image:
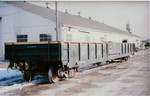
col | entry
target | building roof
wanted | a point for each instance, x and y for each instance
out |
(68, 19)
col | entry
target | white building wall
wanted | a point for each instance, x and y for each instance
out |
(82, 35)
(16, 21)
(1, 39)
(77, 34)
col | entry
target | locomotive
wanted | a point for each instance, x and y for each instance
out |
(58, 60)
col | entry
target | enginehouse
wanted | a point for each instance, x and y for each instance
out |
(25, 22)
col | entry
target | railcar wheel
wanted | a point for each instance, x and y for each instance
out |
(28, 75)
(27, 66)
(52, 76)
(126, 58)
(71, 73)
(77, 69)
(120, 60)
(21, 66)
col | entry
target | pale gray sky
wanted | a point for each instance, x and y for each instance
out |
(116, 14)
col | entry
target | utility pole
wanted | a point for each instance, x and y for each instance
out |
(57, 22)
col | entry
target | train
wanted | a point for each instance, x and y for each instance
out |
(58, 60)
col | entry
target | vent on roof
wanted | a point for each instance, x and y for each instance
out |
(128, 27)
(90, 18)
(47, 5)
(79, 13)
(66, 11)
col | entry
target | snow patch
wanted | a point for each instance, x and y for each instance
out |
(3, 62)
(7, 89)
(7, 74)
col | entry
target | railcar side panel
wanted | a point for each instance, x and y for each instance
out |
(99, 53)
(114, 50)
(73, 54)
(92, 55)
(84, 54)
(104, 52)
(65, 53)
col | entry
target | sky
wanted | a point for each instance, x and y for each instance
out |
(116, 14)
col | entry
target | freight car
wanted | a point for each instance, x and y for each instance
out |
(59, 60)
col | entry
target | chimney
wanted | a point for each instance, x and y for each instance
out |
(90, 18)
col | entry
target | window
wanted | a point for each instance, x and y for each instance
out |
(124, 41)
(22, 38)
(45, 37)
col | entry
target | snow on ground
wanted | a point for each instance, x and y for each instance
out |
(4, 62)
(4, 74)
(56, 90)
(116, 79)
(12, 80)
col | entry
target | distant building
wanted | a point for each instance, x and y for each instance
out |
(145, 43)
(24, 22)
